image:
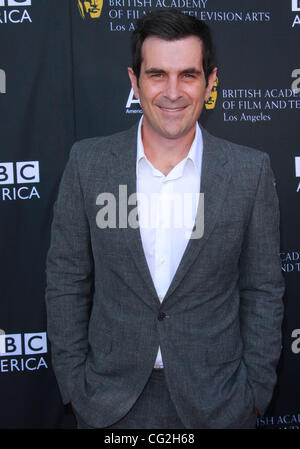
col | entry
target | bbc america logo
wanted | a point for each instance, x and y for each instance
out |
(296, 5)
(21, 352)
(15, 3)
(25, 172)
(296, 8)
(10, 12)
(27, 344)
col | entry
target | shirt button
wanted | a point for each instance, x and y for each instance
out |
(161, 316)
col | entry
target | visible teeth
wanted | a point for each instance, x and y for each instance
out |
(172, 110)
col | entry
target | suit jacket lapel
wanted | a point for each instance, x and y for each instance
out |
(215, 176)
(126, 174)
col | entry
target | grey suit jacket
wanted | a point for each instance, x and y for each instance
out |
(219, 326)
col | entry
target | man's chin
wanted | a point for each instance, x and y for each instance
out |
(170, 131)
(175, 133)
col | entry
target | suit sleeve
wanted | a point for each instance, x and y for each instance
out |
(69, 279)
(261, 290)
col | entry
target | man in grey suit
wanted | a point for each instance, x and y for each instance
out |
(157, 323)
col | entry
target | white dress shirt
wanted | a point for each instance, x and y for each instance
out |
(167, 207)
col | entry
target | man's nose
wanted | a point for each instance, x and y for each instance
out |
(173, 89)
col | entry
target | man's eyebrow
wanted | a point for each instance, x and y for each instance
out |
(154, 70)
(188, 70)
(192, 70)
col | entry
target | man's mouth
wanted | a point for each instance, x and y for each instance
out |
(172, 109)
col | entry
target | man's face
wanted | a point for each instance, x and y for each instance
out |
(172, 86)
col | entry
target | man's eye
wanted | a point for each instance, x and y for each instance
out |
(189, 75)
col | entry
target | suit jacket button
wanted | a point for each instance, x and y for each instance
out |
(161, 316)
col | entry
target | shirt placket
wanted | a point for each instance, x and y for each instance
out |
(163, 239)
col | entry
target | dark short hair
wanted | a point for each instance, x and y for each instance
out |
(171, 25)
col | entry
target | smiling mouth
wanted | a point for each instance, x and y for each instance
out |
(172, 109)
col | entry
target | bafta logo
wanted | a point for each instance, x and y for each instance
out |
(211, 102)
(91, 8)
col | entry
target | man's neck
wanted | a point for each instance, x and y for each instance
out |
(163, 153)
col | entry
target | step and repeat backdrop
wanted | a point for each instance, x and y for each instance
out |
(63, 77)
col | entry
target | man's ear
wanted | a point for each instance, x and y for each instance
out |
(133, 81)
(211, 79)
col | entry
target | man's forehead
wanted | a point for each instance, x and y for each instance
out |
(159, 41)
(187, 50)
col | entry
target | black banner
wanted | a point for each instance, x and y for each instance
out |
(63, 77)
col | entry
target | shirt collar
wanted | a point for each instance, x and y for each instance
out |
(194, 155)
